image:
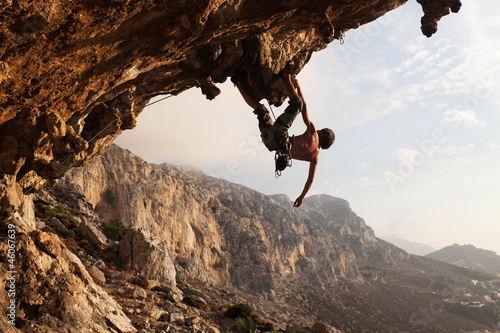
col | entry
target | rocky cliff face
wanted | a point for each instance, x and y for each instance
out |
(51, 289)
(75, 74)
(230, 235)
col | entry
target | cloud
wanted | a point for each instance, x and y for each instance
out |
(407, 155)
(417, 57)
(458, 116)
(491, 146)
(454, 150)
(399, 226)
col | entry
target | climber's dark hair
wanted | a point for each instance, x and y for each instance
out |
(327, 139)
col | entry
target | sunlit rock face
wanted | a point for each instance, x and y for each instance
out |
(75, 74)
(226, 234)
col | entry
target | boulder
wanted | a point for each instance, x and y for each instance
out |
(89, 231)
(40, 225)
(138, 293)
(175, 295)
(199, 302)
(55, 224)
(177, 318)
(147, 255)
(97, 275)
(192, 321)
(319, 328)
(75, 299)
(165, 316)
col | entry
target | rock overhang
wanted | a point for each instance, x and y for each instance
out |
(74, 75)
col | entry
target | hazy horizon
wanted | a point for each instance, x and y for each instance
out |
(416, 120)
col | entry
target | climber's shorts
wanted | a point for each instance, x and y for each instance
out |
(275, 134)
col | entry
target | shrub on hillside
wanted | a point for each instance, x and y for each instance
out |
(43, 210)
(243, 325)
(242, 310)
(115, 229)
(246, 321)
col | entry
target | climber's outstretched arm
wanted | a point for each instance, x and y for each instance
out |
(293, 91)
(289, 86)
(309, 181)
(305, 114)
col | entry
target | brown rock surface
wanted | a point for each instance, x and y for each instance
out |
(75, 74)
(55, 289)
(147, 255)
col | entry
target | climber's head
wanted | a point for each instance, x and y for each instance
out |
(326, 138)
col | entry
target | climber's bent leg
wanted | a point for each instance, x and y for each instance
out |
(286, 119)
(266, 127)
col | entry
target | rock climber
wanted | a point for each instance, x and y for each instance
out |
(304, 147)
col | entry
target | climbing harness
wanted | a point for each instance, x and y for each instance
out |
(281, 161)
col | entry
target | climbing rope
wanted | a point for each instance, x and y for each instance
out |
(5, 315)
(32, 187)
(158, 100)
(125, 114)
(271, 110)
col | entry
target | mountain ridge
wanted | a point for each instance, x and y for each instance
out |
(410, 247)
(208, 191)
(469, 256)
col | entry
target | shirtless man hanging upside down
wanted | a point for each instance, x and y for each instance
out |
(304, 147)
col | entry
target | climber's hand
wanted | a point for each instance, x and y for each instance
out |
(298, 202)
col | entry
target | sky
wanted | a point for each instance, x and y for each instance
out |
(417, 150)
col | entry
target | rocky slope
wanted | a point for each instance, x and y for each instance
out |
(201, 244)
(51, 289)
(75, 74)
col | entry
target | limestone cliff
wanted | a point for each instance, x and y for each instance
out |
(75, 74)
(230, 235)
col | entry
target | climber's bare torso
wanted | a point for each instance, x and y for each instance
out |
(306, 146)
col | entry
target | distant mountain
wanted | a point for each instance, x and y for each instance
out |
(469, 256)
(410, 247)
